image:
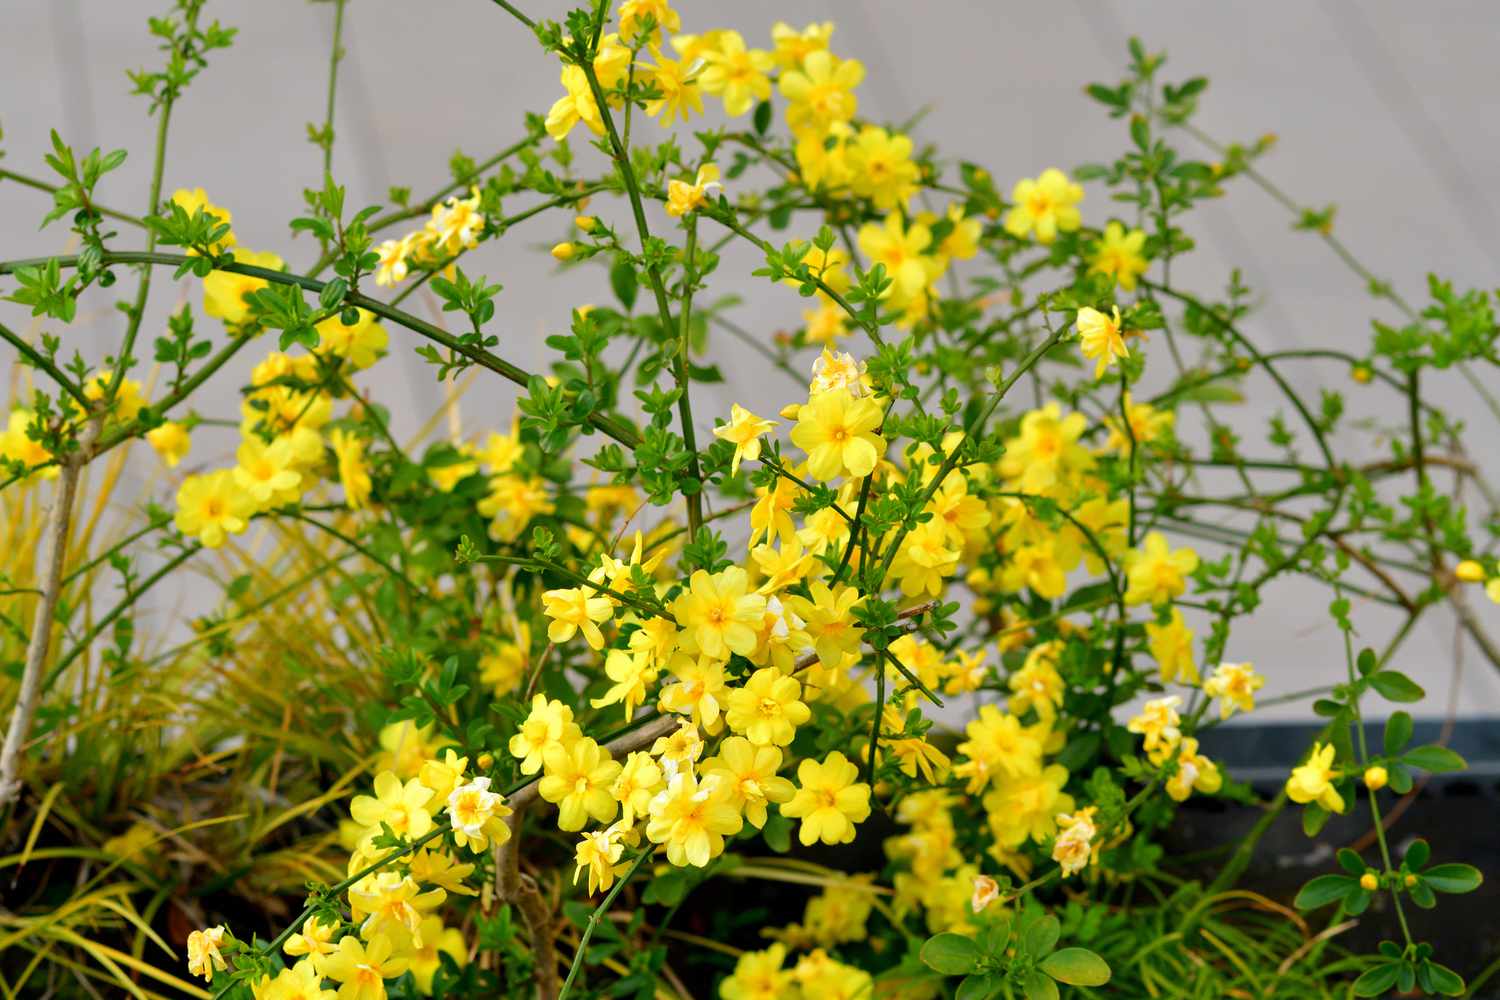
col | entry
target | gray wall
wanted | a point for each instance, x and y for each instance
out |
(1384, 107)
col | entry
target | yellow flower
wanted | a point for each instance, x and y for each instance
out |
(267, 473)
(550, 724)
(631, 672)
(354, 471)
(1158, 723)
(925, 560)
(881, 168)
(598, 853)
(838, 433)
(903, 249)
(170, 441)
(1046, 457)
(393, 264)
(758, 975)
(402, 807)
(683, 197)
(1312, 781)
(679, 94)
(1155, 573)
(1195, 772)
(390, 903)
(834, 371)
(1046, 205)
(693, 819)
(1171, 645)
(829, 800)
(829, 620)
(576, 609)
(314, 939)
(298, 982)
(771, 517)
(576, 105)
(224, 292)
(736, 74)
(962, 243)
(1120, 255)
(1234, 684)
(1037, 684)
(1073, 849)
(821, 92)
(363, 968)
(825, 324)
(743, 431)
(718, 615)
(128, 401)
(1026, 807)
(822, 158)
(1144, 422)
(998, 747)
(768, 708)
(1099, 337)
(578, 779)
(749, 773)
(425, 960)
(477, 816)
(793, 46)
(361, 344)
(17, 446)
(639, 780)
(197, 198)
(212, 507)
(633, 14)
(512, 502)
(204, 957)
(698, 690)
(455, 225)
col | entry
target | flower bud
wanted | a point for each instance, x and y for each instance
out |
(1469, 571)
(1410, 880)
(586, 223)
(563, 251)
(485, 761)
(1361, 374)
(1376, 778)
(1369, 882)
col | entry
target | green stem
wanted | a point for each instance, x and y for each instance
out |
(335, 56)
(40, 362)
(599, 911)
(41, 185)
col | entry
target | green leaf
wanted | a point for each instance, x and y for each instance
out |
(1041, 937)
(1396, 686)
(1435, 759)
(1039, 987)
(980, 987)
(762, 118)
(1443, 980)
(1453, 877)
(1076, 967)
(1377, 980)
(1323, 890)
(951, 954)
(623, 280)
(1397, 732)
(1417, 855)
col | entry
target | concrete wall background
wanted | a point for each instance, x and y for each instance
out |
(1384, 107)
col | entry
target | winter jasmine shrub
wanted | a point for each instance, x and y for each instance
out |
(924, 636)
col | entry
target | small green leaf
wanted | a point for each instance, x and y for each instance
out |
(1377, 980)
(1039, 987)
(1418, 854)
(1453, 877)
(1076, 967)
(1397, 732)
(980, 987)
(951, 954)
(1323, 890)
(1041, 937)
(1435, 759)
(1396, 686)
(1443, 980)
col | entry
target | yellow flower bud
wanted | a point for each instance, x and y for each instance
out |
(1375, 778)
(1410, 881)
(1361, 374)
(1469, 571)
(1369, 882)
(586, 223)
(485, 761)
(563, 251)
